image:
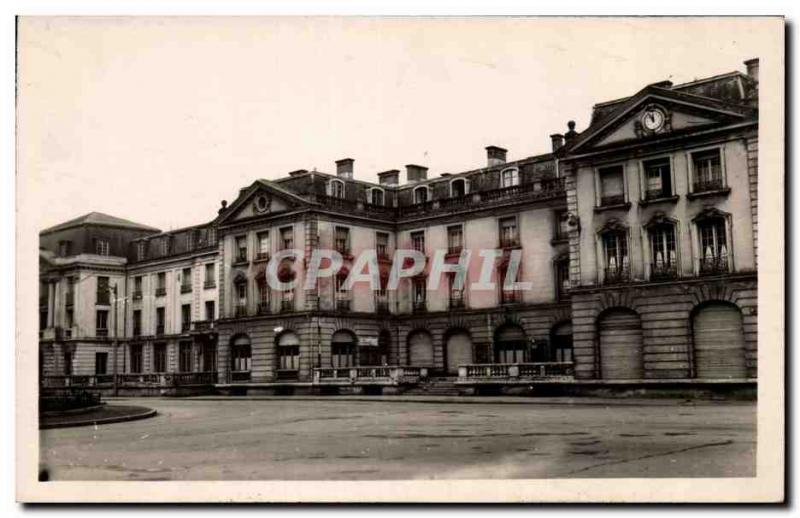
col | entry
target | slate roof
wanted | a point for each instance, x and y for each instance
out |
(98, 218)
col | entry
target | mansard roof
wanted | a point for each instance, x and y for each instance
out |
(100, 219)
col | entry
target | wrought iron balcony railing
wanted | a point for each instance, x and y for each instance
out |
(705, 185)
(663, 271)
(714, 265)
(617, 275)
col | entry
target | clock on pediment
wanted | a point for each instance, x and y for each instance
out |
(262, 203)
(652, 120)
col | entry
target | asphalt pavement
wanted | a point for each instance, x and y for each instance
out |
(362, 439)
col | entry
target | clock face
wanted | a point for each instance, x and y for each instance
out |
(653, 119)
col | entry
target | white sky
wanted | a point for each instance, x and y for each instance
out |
(158, 119)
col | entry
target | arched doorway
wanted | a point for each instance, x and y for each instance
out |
(343, 349)
(510, 344)
(288, 346)
(620, 332)
(718, 341)
(420, 349)
(241, 358)
(458, 349)
(561, 342)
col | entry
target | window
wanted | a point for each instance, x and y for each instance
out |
(103, 292)
(287, 238)
(456, 296)
(70, 299)
(160, 358)
(70, 320)
(165, 242)
(160, 320)
(562, 225)
(43, 318)
(663, 254)
(263, 296)
(241, 249)
(707, 171)
(186, 317)
(713, 246)
(136, 366)
(100, 363)
(418, 241)
(419, 293)
(337, 188)
(458, 188)
(263, 245)
(64, 248)
(455, 239)
(186, 280)
(509, 177)
(421, 194)
(612, 185)
(137, 287)
(289, 357)
(101, 322)
(241, 299)
(382, 245)
(102, 247)
(343, 350)
(137, 322)
(376, 197)
(161, 284)
(185, 357)
(509, 236)
(210, 310)
(242, 359)
(341, 295)
(562, 278)
(141, 250)
(507, 295)
(210, 281)
(342, 240)
(615, 246)
(657, 178)
(287, 300)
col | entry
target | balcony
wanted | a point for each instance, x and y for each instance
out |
(454, 250)
(201, 326)
(137, 295)
(616, 201)
(137, 331)
(263, 308)
(240, 259)
(161, 292)
(185, 326)
(209, 284)
(101, 332)
(240, 310)
(509, 242)
(160, 329)
(382, 305)
(287, 305)
(186, 288)
(519, 372)
(419, 306)
(343, 304)
(662, 272)
(262, 256)
(705, 185)
(617, 275)
(354, 207)
(714, 265)
(457, 300)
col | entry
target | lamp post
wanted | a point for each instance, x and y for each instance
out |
(114, 342)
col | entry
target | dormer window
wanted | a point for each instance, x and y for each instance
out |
(336, 188)
(376, 197)
(421, 194)
(141, 250)
(509, 177)
(64, 248)
(102, 247)
(458, 188)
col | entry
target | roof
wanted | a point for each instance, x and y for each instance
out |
(98, 218)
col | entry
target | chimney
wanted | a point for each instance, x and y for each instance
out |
(416, 173)
(663, 84)
(344, 168)
(571, 134)
(558, 141)
(390, 177)
(298, 172)
(752, 68)
(495, 156)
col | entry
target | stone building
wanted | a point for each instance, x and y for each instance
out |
(637, 236)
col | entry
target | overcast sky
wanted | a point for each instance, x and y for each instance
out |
(158, 119)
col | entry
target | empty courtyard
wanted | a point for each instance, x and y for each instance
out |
(345, 439)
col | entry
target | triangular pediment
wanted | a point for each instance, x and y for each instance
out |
(655, 112)
(262, 198)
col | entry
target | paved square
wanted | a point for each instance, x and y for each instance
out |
(336, 439)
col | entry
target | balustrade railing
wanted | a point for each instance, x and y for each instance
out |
(383, 374)
(130, 380)
(500, 371)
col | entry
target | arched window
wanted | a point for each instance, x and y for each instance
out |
(458, 187)
(343, 349)
(288, 345)
(510, 344)
(509, 177)
(241, 358)
(376, 197)
(421, 194)
(336, 188)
